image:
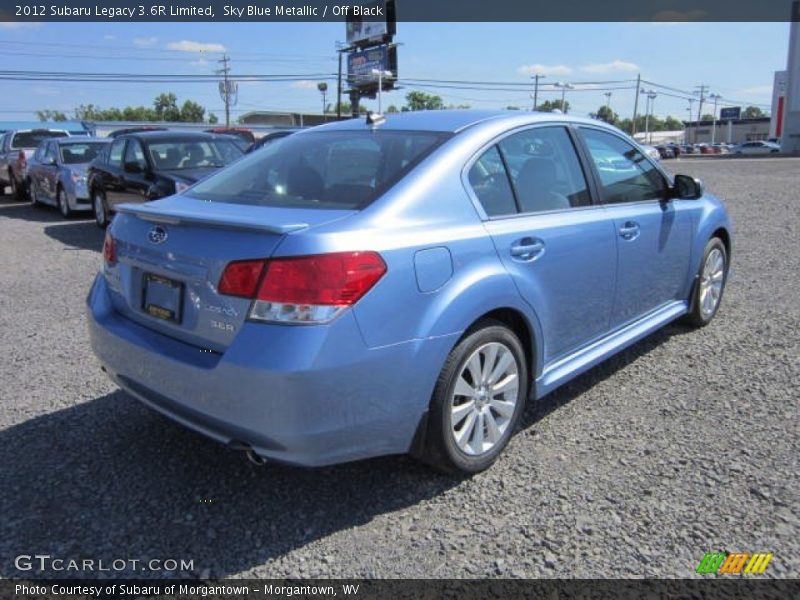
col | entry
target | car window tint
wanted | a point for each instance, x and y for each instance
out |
(489, 181)
(625, 173)
(333, 169)
(75, 154)
(192, 154)
(115, 153)
(135, 154)
(545, 170)
(31, 139)
(49, 152)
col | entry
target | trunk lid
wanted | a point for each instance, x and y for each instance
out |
(171, 254)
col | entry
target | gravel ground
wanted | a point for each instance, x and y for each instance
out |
(683, 444)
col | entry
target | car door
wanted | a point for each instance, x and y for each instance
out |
(135, 176)
(653, 231)
(557, 245)
(48, 171)
(111, 174)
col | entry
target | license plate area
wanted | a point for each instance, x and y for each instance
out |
(162, 298)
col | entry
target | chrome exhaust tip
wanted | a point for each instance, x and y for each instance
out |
(254, 458)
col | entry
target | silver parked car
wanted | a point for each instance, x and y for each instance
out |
(757, 147)
(57, 172)
(16, 147)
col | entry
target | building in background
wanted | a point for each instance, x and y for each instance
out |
(790, 134)
(778, 104)
(734, 131)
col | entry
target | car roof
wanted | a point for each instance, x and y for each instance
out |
(176, 136)
(79, 139)
(453, 121)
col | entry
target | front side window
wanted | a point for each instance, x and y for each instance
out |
(192, 154)
(325, 169)
(545, 170)
(135, 155)
(115, 153)
(625, 173)
(489, 181)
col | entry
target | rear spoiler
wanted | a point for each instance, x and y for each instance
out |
(209, 217)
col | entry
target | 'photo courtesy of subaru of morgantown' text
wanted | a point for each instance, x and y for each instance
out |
(394, 299)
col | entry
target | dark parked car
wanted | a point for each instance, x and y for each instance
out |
(144, 166)
(665, 151)
(270, 137)
(16, 148)
(57, 172)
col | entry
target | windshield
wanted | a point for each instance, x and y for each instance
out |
(31, 139)
(324, 169)
(192, 154)
(76, 154)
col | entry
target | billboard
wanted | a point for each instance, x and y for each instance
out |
(732, 113)
(374, 24)
(361, 63)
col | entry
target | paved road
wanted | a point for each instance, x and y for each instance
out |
(685, 443)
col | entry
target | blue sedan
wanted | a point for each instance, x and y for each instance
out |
(374, 287)
(57, 173)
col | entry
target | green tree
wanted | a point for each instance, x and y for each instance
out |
(192, 112)
(551, 105)
(50, 115)
(213, 119)
(707, 117)
(166, 107)
(673, 124)
(604, 113)
(753, 112)
(422, 101)
(512, 108)
(392, 109)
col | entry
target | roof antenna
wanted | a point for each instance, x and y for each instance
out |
(375, 119)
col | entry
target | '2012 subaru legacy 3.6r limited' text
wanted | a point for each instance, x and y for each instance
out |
(404, 285)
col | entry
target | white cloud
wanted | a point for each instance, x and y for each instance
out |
(190, 46)
(544, 70)
(202, 62)
(305, 84)
(19, 25)
(145, 41)
(109, 36)
(610, 67)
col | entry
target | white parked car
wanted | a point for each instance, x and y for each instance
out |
(759, 147)
(652, 152)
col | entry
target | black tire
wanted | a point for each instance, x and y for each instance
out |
(102, 209)
(17, 190)
(63, 204)
(440, 449)
(697, 316)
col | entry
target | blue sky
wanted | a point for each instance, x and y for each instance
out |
(736, 60)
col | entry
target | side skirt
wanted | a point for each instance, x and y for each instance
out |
(584, 359)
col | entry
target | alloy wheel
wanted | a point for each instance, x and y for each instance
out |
(484, 399)
(711, 281)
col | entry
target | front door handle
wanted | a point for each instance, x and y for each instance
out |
(629, 231)
(527, 249)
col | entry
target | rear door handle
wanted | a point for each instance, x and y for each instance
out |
(630, 230)
(527, 249)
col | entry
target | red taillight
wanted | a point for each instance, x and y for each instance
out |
(22, 159)
(110, 249)
(339, 279)
(241, 278)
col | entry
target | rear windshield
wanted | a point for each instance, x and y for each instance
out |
(323, 169)
(31, 139)
(172, 156)
(76, 154)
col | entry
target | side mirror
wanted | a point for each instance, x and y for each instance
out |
(687, 187)
(133, 167)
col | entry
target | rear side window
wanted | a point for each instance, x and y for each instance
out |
(325, 169)
(626, 175)
(31, 139)
(489, 181)
(545, 170)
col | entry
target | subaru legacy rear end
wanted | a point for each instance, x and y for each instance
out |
(229, 308)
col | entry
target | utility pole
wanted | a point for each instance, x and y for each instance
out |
(226, 89)
(608, 100)
(714, 97)
(686, 133)
(636, 105)
(701, 90)
(536, 79)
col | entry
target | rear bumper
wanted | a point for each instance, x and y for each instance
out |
(307, 396)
